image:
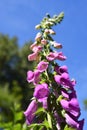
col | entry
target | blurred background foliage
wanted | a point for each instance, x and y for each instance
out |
(15, 92)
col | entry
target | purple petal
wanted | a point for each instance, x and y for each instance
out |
(41, 91)
(29, 113)
(42, 66)
(63, 69)
(36, 77)
(61, 56)
(44, 102)
(30, 76)
(71, 121)
(52, 56)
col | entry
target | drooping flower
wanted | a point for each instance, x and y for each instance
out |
(33, 45)
(30, 76)
(42, 66)
(33, 56)
(33, 76)
(30, 112)
(56, 45)
(36, 48)
(71, 106)
(36, 77)
(72, 121)
(61, 56)
(61, 69)
(52, 56)
(55, 56)
(64, 93)
(41, 91)
(64, 79)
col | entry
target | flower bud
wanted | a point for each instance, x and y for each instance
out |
(38, 26)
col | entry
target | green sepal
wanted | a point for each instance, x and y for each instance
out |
(68, 128)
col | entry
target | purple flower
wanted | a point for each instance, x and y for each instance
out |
(36, 48)
(51, 56)
(71, 106)
(63, 79)
(44, 102)
(64, 93)
(29, 113)
(61, 69)
(36, 77)
(55, 56)
(70, 120)
(41, 91)
(61, 56)
(33, 56)
(42, 66)
(33, 76)
(30, 76)
(72, 95)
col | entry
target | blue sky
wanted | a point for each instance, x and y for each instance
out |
(18, 18)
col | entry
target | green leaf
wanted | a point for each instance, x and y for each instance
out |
(49, 120)
(18, 116)
(24, 127)
(32, 125)
(6, 125)
(17, 127)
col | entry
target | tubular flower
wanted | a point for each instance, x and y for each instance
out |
(42, 66)
(52, 56)
(61, 56)
(41, 91)
(29, 113)
(61, 69)
(33, 56)
(35, 48)
(55, 56)
(63, 79)
(72, 121)
(71, 106)
(33, 77)
(30, 76)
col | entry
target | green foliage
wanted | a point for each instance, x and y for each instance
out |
(69, 128)
(17, 122)
(15, 92)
